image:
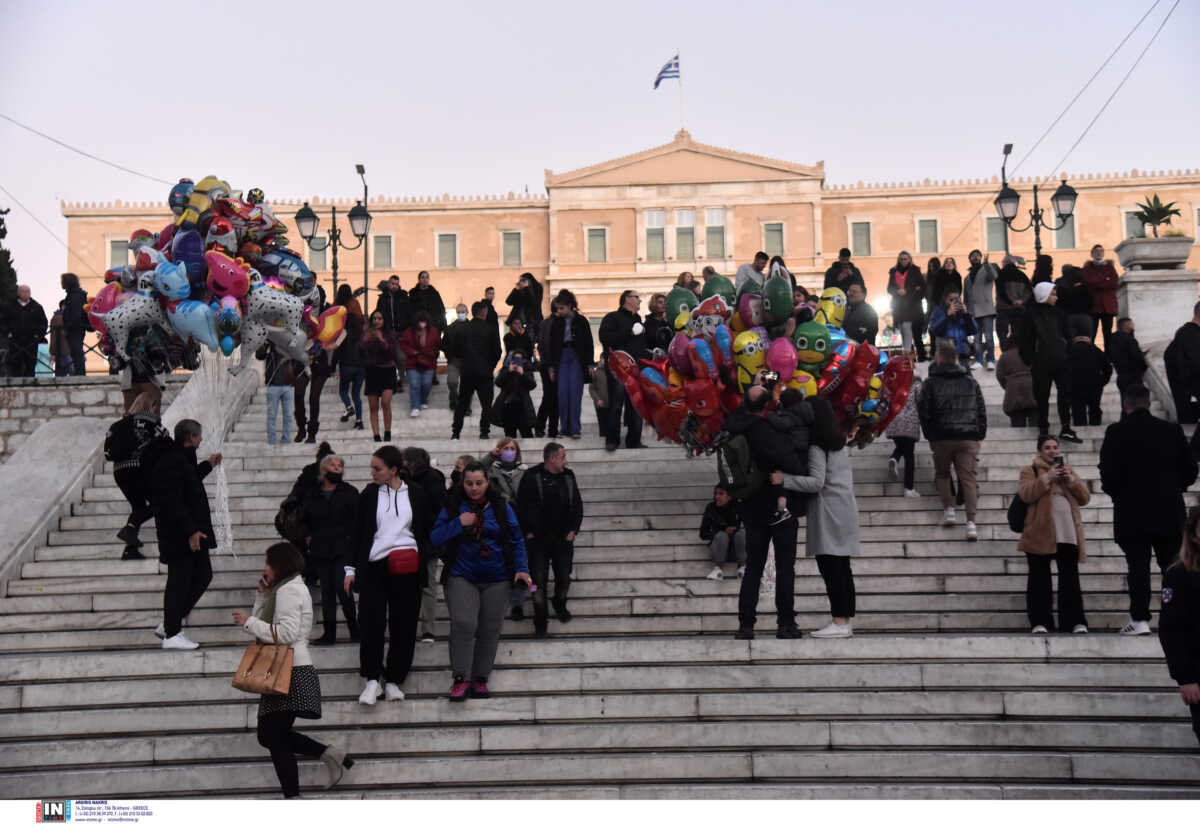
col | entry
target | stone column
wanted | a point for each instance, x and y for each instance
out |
(1158, 301)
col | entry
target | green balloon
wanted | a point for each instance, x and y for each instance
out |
(778, 299)
(813, 346)
(750, 287)
(679, 299)
(723, 286)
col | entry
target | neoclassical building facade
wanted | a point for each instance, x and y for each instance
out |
(638, 221)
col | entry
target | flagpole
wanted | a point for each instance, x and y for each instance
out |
(679, 67)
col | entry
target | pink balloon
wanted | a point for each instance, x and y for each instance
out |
(750, 310)
(781, 356)
(677, 353)
(106, 300)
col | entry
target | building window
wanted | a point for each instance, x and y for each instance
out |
(927, 237)
(597, 245)
(1133, 226)
(860, 239)
(1064, 238)
(773, 239)
(714, 233)
(381, 252)
(655, 242)
(317, 260)
(512, 248)
(447, 251)
(995, 234)
(685, 234)
(118, 253)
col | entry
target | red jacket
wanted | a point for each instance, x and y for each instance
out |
(1102, 280)
(421, 356)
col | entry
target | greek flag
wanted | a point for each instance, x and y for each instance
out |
(670, 69)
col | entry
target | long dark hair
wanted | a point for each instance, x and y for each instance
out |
(458, 493)
(286, 560)
(393, 458)
(825, 430)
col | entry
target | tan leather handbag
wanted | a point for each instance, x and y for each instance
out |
(266, 669)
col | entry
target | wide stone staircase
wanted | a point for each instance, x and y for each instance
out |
(942, 692)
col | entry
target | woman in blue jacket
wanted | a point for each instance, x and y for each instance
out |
(483, 552)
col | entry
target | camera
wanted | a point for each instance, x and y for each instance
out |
(769, 378)
(1059, 460)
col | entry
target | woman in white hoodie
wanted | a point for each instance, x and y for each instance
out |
(283, 614)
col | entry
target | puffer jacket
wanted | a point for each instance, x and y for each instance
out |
(957, 328)
(1038, 537)
(469, 560)
(1016, 379)
(907, 424)
(951, 406)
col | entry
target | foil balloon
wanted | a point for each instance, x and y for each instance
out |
(680, 299)
(171, 281)
(199, 201)
(291, 271)
(778, 299)
(749, 353)
(781, 357)
(177, 198)
(677, 353)
(329, 328)
(141, 308)
(831, 309)
(704, 365)
(622, 366)
(187, 247)
(194, 320)
(723, 351)
(105, 300)
(812, 344)
(163, 241)
(221, 235)
(709, 315)
(750, 310)
(227, 276)
(719, 286)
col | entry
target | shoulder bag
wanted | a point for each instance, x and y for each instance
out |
(266, 669)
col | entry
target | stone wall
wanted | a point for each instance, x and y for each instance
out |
(25, 403)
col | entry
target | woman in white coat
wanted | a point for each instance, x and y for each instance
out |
(832, 534)
(284, 605)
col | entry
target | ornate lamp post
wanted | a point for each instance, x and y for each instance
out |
(307, 222)
(1007, 202)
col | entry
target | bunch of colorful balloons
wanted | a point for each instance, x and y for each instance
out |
(717, 353)
(220, 275)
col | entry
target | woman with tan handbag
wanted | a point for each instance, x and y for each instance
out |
(283, 616)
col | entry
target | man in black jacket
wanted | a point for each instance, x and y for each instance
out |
(766, 443)
(1182, 362)
(479, 350)
(75, 322)
(449, 344)
(184, 525)
(1126, 355)
(1145, 467)
(860, 324)
(26, 329)
(1042, 342)
(526, 301)
(550, 510)
(1014, 293)
(433, 483)
(843, 274)
(397, 313)
(425, 297)
(954, 421)
(622, 331)
(327, 524)
(1089, 370)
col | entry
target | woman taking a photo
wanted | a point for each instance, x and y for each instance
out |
(283, 614)
(483, 556)
(378, 348)
(393, 540)
(1053, 531)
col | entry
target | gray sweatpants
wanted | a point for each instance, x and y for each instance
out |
(429, 598)
(476, 617)
(719, 546)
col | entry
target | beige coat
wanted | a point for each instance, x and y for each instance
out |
(1038, 537)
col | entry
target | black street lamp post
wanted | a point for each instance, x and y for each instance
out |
(307, 222)
(1007, 202)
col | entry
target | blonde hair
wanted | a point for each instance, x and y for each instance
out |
(144, 402)
(684, 279)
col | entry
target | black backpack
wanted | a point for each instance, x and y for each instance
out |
(1018, 511)
(737, 469)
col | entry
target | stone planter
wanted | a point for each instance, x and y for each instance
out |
(1154, 252)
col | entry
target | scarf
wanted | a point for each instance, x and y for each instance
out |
(479, 509)
(267, 611)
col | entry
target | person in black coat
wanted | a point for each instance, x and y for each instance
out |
(1074, 296)
(425, 298)
(945, 280)
(721, 527)
(571, 361)
(1145, 467)
(433, 483)
(123, 447)
(478, 350)
(26, 329)
(622, 331)
(907, 287)
(526, 301)
(843, 274)
(550, 511)
(860, 323)
(659, 328)
(1126, 355)
(1042, 343)
(328, 523)
(547, 412)
(1089, 370)
(1014, 294)
(1182, 362)
(75, 321)
(1179, 622)
(518, 339)
(513, 409)
(394, 518)
(183, 522)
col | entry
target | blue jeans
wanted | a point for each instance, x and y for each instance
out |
(277, 395)
(570, 393)
(350, 384)
(985, 340)
(420, 383)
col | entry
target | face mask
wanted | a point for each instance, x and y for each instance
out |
(421, 325)
(508, 455)
(1098, 258)
(462, 315)
(333, 477)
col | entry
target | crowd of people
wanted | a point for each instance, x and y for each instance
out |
(25, 327)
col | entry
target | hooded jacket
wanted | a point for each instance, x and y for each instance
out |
(951, 406)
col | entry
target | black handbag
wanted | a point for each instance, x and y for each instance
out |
(287, 521)
(1018, 511)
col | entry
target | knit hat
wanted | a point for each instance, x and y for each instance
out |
(1041, 292)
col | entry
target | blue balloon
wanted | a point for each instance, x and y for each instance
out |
(227, 345)
(187, 247)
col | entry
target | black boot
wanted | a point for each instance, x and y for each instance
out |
(301, 433)
(312, 432)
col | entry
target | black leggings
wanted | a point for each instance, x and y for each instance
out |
(276, 734)
(547, 414)
(904, 450)
(1137, 560)
(132, 484)
(839, 583)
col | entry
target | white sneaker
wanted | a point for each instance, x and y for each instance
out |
(1080, 629)
(370, 693)
(1039, 630)
(742, 571)
(974, 365)
(911, 493)
(832, 630)
(416, 413)
(1136, 628)
(716, 574)
(391, 692)
(991, 367)
(948, 518)
(972, 532)
(894, 468)
(424, 406)
(181, 641)
(160, 631)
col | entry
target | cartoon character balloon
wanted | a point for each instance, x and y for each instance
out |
(750, 354)
(831, 309)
